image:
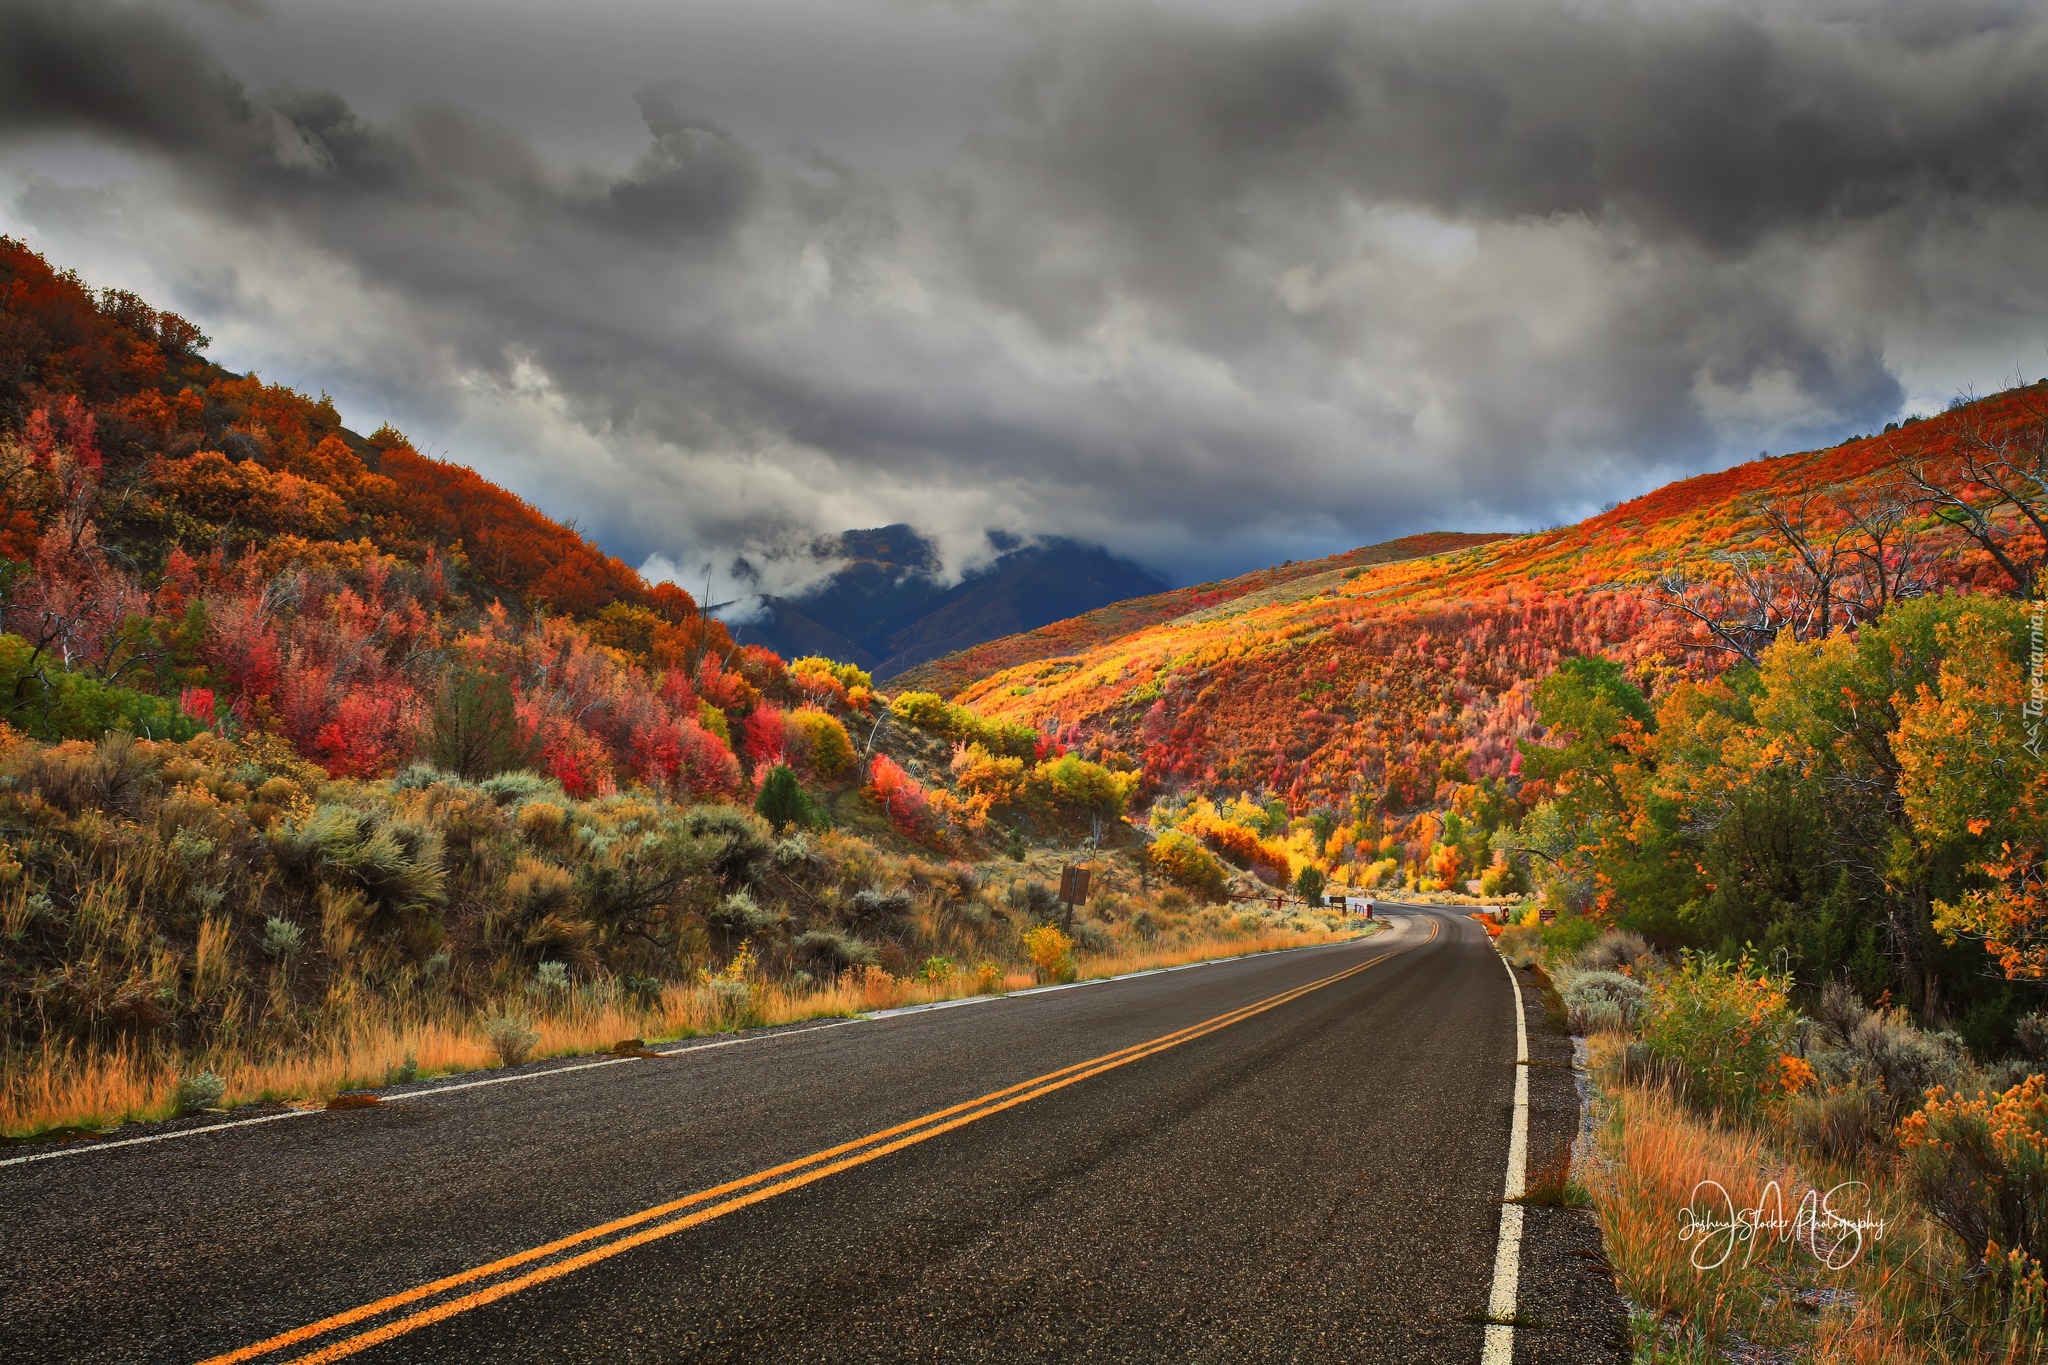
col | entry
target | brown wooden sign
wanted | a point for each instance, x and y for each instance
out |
(1074, 884)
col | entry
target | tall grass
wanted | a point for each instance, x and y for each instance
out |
(369, 1039)
(1656, 1162)
(1908, 1296)
(1903, 1300)
(218, 922)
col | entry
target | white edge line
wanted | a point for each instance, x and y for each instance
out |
(87, 1148)
(1105, 980)
(433, 1090)
(935, 1005)
(1507, 1256)
(763, 1037)
(82, 1148)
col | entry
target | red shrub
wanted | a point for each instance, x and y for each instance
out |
(900, 794)
(765, 736)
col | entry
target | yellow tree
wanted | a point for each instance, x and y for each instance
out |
(1972, 775)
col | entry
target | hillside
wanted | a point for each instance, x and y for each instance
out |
(203, 545)
(184, 453)
(188, 551)
(322, 763)
(948, 675)
(888, 610)
(1391, 685)
(1779, 708)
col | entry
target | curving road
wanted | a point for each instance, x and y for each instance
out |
(1297, 1156)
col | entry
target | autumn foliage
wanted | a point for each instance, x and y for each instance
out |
(113, 405)
(194, 548)
(900, 794)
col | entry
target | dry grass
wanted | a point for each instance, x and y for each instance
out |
(367, 1040)
(237, 912)
(1902, 1301)
(1656, 1161)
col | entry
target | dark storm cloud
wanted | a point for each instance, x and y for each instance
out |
(135, 75)
(695, 182)
(1207, 287)
(1181, 143)
(1713, 123)
(132, 74)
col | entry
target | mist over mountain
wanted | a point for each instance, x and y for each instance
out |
(890, 609)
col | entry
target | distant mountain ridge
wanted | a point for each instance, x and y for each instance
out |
(889, 610)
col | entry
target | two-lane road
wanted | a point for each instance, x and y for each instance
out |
(1291, 1157)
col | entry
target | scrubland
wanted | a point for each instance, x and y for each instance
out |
(1894, 1187)
(207, 922)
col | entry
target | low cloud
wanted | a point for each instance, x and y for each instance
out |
(1210, 289)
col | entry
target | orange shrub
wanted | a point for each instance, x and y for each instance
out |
(1723, 1025)
(1981, 1164)
(1051, 952)
(819, 740)
(1241, 846)
(1186, 863)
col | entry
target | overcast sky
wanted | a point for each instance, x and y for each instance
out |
(1214, 283)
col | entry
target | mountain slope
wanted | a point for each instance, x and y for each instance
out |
(887, 610)
(185, 453)
(953, 672)
(191, 549)
(1397, 687)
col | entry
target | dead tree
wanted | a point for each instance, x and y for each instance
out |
(1744, 607)
(1994, 489)
(1829, 558)
(1892, 557)
(1816, 552)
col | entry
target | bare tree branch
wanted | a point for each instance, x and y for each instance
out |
(1994, 489)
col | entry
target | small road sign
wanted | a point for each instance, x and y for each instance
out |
(1073, 890)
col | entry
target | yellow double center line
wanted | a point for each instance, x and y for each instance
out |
(665, 1220)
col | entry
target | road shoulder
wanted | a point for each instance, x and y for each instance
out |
(1570, 1311)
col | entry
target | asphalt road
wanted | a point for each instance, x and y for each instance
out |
(1201, 1165)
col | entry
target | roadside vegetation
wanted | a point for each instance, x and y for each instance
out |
(324, 763)
(1794, 908)
(206, 922)
(1897, 1184)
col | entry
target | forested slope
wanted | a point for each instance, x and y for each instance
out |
(1781, 705)
(948, 675)
(187, 534)
(1390, 682)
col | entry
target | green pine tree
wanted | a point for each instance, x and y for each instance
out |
(782, 800)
